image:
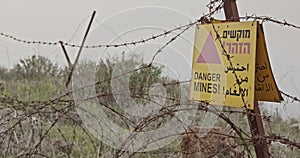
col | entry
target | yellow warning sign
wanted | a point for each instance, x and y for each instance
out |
(265, 85)
(225, 71)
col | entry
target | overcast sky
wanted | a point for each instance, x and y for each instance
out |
(67, 20)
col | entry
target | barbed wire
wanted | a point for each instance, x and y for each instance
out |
(228, 57)
(70, 103)
(28, 41)
(20, 111)
(290, 96)
(237, 80)
(213, 9)
(263, 18)
(214, 6)
(133, 43)
(250, 113)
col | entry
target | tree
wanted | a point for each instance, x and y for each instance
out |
(36, 68)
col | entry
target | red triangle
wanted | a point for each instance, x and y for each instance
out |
(209, 53)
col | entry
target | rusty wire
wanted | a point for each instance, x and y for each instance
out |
(214, 8)
(62, 108)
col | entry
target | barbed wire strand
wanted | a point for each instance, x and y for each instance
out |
(253, 17)
(21, 108)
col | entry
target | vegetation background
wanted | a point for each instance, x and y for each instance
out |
(38, 116)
